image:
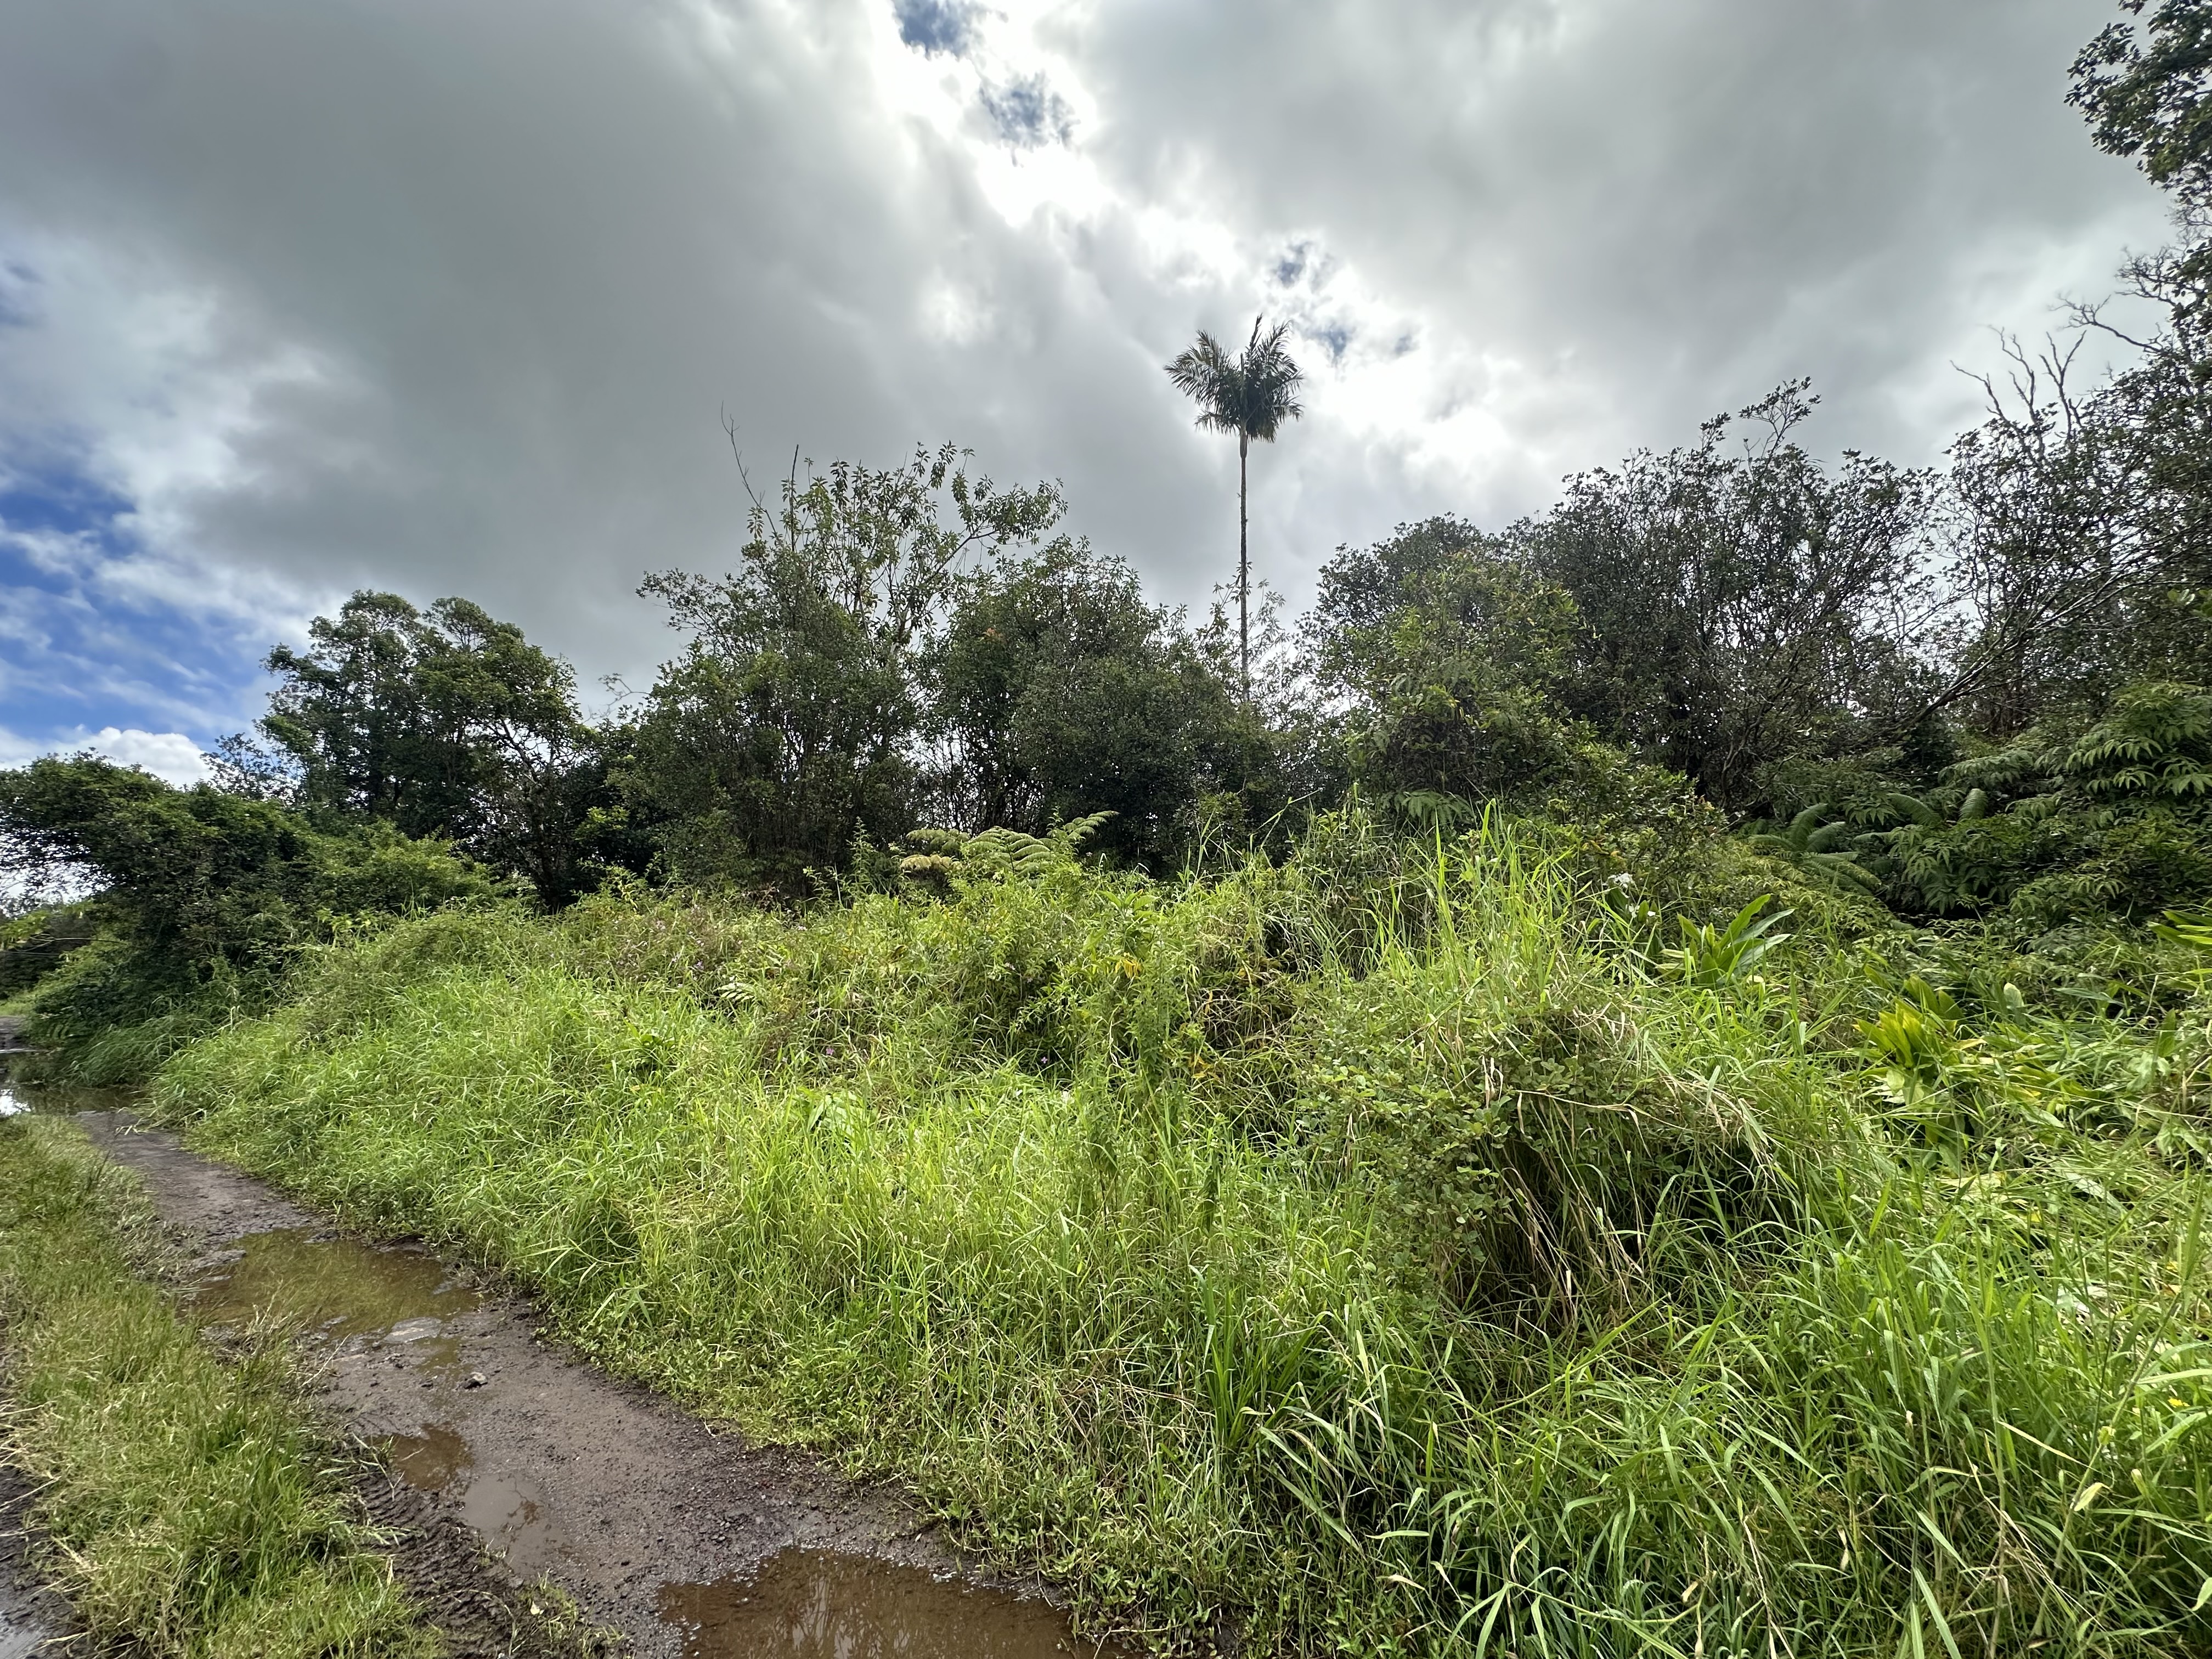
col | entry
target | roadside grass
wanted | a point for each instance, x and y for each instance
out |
(189, 1510)
(1438, 1273)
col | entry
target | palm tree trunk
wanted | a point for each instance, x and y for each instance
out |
(1243, 574)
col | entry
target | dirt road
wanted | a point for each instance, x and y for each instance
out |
(678, 1536)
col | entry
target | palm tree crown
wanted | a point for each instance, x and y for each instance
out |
(1250, 394)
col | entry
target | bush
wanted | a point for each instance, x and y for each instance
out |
(203, 900)
(2114, 821)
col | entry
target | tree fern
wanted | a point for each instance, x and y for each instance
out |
(1812, 843)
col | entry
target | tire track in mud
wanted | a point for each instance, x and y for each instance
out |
(503, 1459)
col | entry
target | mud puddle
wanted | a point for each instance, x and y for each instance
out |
(811, 1604)
(690, 1542)
(344, 1293)
(356, 1300)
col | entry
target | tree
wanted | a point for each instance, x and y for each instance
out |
(447, 723)
(2049, 565)
(1251, 394)
(197, 875)
(2087, 558)
(1451, 650)
(2148, 96)
(1058, 691)
(1742, 604)
(200, 896)
(1436, 591)
(790, 723)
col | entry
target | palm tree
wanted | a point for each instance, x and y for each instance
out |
(1251, 394)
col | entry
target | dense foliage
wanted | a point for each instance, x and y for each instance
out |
(449, 725)
(1390, 1250)
(1637, 1084)
(202, 895)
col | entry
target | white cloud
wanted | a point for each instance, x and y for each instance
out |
(445, 295)
(16, 751)
(170, 756)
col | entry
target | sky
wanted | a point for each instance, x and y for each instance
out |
(454, 296)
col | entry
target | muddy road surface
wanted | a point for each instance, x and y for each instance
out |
(676, 1533)
(31, 1615)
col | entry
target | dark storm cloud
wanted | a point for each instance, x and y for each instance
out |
(445, 295)
(528, 253)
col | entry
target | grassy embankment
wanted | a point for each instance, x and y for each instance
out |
(1443, 1276)
(191, 1510)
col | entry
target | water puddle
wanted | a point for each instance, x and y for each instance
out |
(432, 1460)
(512, 1515)
(354, 1297)
(818, 1604)
(342, 1291)
(14, 1098)
(19, 1095)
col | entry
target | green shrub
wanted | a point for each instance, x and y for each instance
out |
(202, 899)
(2115, 821)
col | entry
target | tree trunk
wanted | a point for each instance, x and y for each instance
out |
(1243, 574)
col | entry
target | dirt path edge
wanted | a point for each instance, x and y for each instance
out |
(597, 1485)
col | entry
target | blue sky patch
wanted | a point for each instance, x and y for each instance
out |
(94, 632)
(1333, 338)
(933, 25)
(1028, 113)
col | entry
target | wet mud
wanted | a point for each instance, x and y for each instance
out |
(675, 1533)
(31, 1615)
(817, 1604)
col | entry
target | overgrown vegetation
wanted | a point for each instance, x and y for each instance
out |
(1475, 1272)
(205, 894)
(188, 1510)
(1638, 1084)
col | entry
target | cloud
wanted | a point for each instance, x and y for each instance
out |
(169, 755)
(96, 628)
(445, 295)
(17, 750)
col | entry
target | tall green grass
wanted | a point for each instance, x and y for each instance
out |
(189, 1510)
(1431, 1274)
